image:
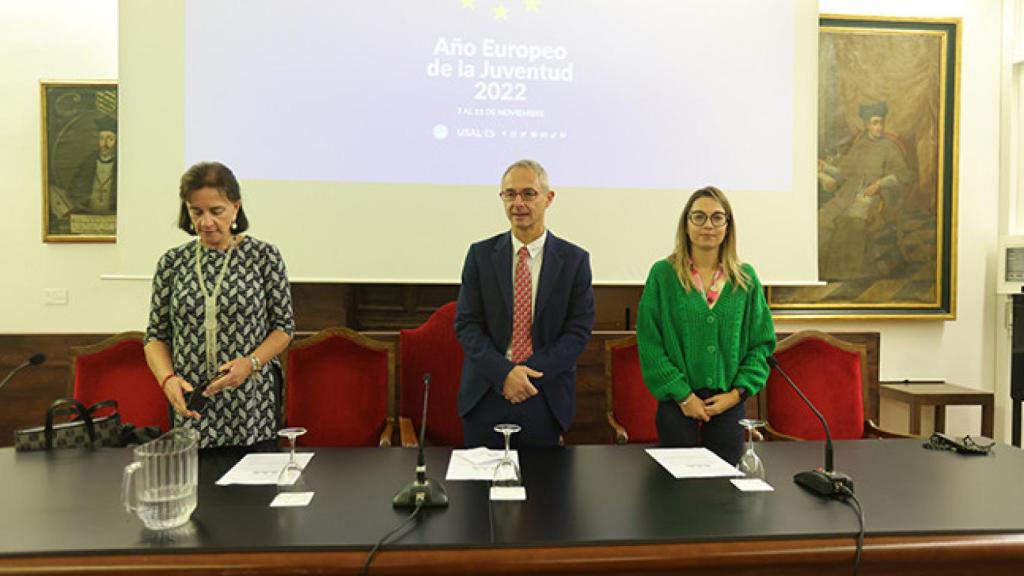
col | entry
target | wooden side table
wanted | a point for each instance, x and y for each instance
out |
(941, 395)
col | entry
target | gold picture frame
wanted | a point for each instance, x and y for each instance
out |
(888, 97)
(79, 160)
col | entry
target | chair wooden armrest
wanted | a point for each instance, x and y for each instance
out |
(385, 435)
(407, 432)
(621, 436)
(871, 430)
(773, 434)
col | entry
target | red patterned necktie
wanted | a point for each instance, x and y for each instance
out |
(522, 310)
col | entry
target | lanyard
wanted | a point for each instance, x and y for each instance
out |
(709, 292)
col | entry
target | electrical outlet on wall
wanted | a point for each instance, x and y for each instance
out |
(56, 296)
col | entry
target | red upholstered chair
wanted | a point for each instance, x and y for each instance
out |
(340, 387)
(116, 369)
(432, 348)
(833, 375)
(630, 406)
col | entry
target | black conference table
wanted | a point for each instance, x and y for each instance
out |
(591, 509)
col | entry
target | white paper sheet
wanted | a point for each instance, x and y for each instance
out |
(692, 463)
(751, 485)
(261, 468)
(508, 493)
(292, 499)
(476, 463)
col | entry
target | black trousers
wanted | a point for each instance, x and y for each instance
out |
(722, 434)
(539, 426)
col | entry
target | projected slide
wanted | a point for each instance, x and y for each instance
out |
(614, 94)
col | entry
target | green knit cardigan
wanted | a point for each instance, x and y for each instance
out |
(684, 345)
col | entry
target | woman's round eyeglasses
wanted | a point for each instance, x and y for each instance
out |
(718, 219)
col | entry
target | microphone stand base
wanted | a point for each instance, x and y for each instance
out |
(829, 484)
(431, 493)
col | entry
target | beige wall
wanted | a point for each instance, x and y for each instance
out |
(52, 40)
(77, 39)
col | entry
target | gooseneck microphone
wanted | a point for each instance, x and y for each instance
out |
(824, 482)
(33, 360)
(422, 491)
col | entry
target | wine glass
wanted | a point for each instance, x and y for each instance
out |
(750, 463)
(292, 470)
(506, 474)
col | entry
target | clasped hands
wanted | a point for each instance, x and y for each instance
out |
(517, 386)
(703, 410)
(236, 372)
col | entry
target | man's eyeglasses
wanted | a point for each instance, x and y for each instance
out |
(510, 195)
(718, 219)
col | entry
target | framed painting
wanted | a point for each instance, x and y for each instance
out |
(79, 148)
(887, 175)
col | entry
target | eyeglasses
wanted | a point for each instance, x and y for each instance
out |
(510, 195)
(718, 219)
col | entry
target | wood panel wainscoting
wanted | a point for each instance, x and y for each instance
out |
(379, 310)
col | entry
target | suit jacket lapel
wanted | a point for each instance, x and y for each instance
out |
(501, 258)
(550, 270)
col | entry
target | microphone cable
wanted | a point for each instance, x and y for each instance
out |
(412, 516)
(848, 495)
(490, 518)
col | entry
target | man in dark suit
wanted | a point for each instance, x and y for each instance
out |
(525, 311)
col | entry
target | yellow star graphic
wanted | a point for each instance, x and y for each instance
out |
(469, 4)
(501, 12)
(532, 5)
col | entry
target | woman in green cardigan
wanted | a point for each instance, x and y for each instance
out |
(704, 331)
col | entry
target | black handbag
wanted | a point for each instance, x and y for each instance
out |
(83, 431)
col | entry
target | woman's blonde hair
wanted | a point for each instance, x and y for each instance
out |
(680, 258)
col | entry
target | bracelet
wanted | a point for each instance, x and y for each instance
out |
(255, 362)
(163, 383)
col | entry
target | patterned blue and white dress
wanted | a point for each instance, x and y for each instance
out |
(254, 300)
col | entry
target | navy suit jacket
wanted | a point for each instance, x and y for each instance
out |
(562, 321)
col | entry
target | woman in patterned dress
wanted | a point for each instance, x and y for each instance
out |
(221, 304)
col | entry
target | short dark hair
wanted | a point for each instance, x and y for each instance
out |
(214, 175)
(869, 110)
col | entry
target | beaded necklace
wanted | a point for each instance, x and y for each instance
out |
(210, 307)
